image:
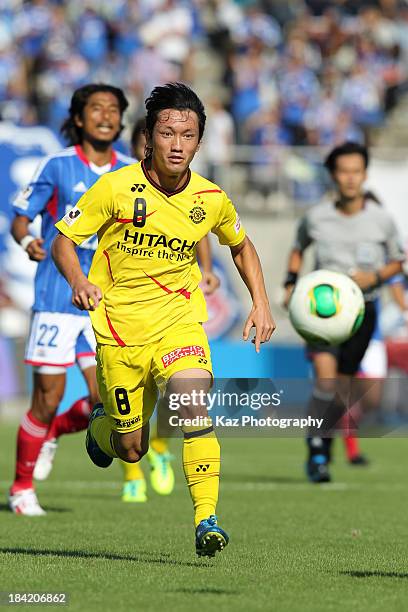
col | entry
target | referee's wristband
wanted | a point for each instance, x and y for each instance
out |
(26, 240)
(378, 280)
(290, 279)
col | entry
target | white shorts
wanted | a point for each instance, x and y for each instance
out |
(57, 340)
(374, 363)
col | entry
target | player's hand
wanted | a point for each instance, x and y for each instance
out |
(35, 250)
(364, 280)
(210, 282)
(260, 317)
(288, 294)
(85, 295)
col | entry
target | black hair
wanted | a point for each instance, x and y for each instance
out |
(347, 148)
(175, 96)
(72, 132)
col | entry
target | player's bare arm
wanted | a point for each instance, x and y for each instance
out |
(33, 246)
(85, 295)
(210, 281)
(247, 262)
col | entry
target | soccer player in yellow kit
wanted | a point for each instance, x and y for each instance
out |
(143, 295)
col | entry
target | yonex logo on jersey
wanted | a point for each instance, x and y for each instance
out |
(139, 187)
(72, 216)
(197, 214)
(185, 351)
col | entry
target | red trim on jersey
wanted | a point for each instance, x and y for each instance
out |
(166, 289)
(208, 191)
(182, 292)
(109, 264)
(46, 363)
(52, 206)
(85, 355)
(81, 155)
(113, 331)
(159, 188)
(131, 220)
(80, 152)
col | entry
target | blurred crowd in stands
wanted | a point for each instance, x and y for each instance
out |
(272, 71)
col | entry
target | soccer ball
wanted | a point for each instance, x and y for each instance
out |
(326, 307)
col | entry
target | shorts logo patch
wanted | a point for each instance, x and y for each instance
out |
(185, 351)
(197, 214)
(128, 422)
(72, 216)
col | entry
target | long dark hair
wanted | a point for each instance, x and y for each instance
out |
(73, 133)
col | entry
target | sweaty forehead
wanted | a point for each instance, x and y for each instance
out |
(186, 119)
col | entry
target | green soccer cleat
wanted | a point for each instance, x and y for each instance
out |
(162, 474)
(134, 491)
(210, 538)
(96, 454)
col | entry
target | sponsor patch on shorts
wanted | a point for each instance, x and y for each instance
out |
(193, 350)
(128, 422)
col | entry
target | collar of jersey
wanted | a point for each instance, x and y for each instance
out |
(80, 152)
(159, 188)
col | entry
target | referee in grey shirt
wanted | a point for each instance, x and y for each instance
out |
(355, 236)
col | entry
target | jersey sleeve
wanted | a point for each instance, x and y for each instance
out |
(91, 212)
(393, 245)
(228, 227)
(302, 238)
(32, 200)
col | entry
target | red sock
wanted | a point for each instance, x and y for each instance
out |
(350, 439)
(74, 419)
(352, 447)
(30, 437)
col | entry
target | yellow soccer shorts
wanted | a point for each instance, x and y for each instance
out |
(130, 377)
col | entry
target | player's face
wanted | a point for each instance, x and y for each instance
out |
(349, 175)
(101, 117)
(138, 147)
(175, 140)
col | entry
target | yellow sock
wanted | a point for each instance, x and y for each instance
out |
(101, 431)
(132, 471)
(159, 445)
(201, 463)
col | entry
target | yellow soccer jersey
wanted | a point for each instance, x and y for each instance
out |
(145, 263)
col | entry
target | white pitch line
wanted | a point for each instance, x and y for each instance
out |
(231, 486)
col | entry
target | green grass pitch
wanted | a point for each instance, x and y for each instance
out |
(294, 546)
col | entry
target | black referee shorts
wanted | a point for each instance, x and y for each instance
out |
(349, 354)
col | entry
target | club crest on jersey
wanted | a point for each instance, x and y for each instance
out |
(72, 216)
(197, 214)
(139, 187)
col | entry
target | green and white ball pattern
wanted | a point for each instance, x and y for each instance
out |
(326, 307)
